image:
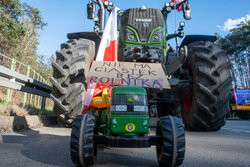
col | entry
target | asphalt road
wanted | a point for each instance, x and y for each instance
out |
(229, 147)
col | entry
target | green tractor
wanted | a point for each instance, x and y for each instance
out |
(198, 70)
(122, 120)
(198, 73)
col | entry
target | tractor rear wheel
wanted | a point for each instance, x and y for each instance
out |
(68, 81)
(82, 147)
(171, 151)
(206, 104)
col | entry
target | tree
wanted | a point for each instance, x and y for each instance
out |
(19, 26)
(44, 66)
(236, 44)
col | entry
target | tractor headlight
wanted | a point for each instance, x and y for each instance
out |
(118, 108)
(157, 36)
(106, 3)
(182, 24)
(141, 108)
(169, 9)
(110, 3)
(130, 36)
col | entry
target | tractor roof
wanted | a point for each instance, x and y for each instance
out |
(129, 90)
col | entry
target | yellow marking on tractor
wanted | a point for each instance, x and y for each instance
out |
(130, 99)
(130, 127)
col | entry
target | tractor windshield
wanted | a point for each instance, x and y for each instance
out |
(122, 99)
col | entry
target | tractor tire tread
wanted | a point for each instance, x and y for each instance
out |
(68, 81)
(82, 143)
(210, 87)
(172, 149)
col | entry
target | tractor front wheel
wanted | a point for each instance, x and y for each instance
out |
(82, 147)
(170, 152)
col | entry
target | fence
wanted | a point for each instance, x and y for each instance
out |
(18, 76)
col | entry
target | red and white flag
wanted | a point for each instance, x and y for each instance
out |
(108, 46)
(177, 2)
(107, 52)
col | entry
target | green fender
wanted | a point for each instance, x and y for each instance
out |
(195, 38)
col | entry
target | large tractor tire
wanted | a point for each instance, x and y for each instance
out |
(170, 152)
(206, 104)
(82, 147)
(68, 81)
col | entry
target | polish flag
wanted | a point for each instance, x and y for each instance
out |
(107, 52)
(177, 2)
(108, 46)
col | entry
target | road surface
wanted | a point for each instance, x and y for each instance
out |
(49, 147)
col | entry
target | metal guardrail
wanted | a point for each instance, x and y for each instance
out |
(14, 80)
(24, 69)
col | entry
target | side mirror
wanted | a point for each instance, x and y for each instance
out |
(186, 11)
(91, 10)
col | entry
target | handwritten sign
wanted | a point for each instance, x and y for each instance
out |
(149, 75)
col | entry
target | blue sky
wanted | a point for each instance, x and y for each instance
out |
(66, 16)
